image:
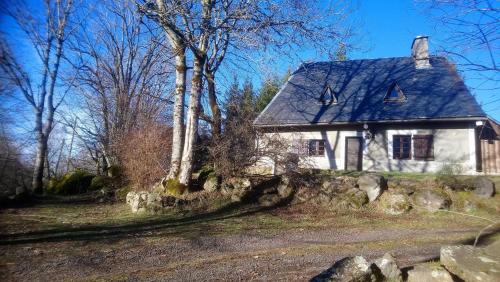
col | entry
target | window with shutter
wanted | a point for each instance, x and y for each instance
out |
(401, 147)
(423, 147)
(316, 147)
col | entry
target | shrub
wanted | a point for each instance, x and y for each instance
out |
(448, 177)
(99, 182)
(121, 194)
(75, 182)
(144, 155)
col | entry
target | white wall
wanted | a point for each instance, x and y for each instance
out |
(454, 147)
(451, 147)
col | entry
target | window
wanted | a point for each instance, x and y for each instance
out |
(394, 94)
(401, 147)
(316, 147)
(328, 96)
(423, 147)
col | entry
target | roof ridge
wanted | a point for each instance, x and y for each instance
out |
(366, 59)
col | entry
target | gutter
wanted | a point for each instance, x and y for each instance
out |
(483, 118)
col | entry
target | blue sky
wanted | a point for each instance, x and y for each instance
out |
(385, 29)
(388, 28)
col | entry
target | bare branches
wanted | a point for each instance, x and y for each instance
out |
(472, 32)
(123, 72)
(48, 37)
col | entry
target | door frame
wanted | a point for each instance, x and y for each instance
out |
(360, 152)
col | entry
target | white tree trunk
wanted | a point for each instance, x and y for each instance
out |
(192, 122)
(178, 118)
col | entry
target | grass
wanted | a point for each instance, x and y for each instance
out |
(85, 218)
(66, 229)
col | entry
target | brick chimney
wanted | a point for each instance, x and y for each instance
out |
(420, 52)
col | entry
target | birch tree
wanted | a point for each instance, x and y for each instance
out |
(211, 27)
(48, 39)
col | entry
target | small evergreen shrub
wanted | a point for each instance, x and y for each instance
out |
(75, 182)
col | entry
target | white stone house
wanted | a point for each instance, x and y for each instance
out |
(412, 114)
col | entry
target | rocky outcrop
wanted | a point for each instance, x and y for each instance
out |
(429, 273)
(389, 268)
(350, 269)
(473, 264)
(211, 184)
(239, 183)
(395, 203)
(373, 185)
(141, 202)
(269, 200)
(484, 187)
(431, 200)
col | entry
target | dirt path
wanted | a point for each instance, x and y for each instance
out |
(106, 242)
(291, 255)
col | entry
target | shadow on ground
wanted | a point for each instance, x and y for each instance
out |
(182, 225)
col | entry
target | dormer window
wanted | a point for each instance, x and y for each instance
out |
(394, 94)
(328, 96)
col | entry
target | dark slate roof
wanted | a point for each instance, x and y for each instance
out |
(361, 85)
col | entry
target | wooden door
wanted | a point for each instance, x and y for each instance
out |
(353, 153)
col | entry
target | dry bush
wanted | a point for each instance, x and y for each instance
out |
(145, 154)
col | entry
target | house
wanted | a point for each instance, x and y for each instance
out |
(412, 114)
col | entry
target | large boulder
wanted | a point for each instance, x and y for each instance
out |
(211, 184)
(473, 264)
(429, 273)
(373, 185)
(389, 268)
(284, 190)
(431, 200)
(395, 203)
(141, 202)
(239, 183)
(353, 198)
(269, 200)
(484, 187)
(350, 269)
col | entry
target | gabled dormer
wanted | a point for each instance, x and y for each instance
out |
(395, 94)
(328, 96)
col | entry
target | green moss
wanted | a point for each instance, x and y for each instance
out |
(206, 172)
(121, 194)
(174, 188)
(99, 182)
(75, 182)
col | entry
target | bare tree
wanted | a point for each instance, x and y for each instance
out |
(471, 28)
(123, 74)
(212, 26)
(48, 39)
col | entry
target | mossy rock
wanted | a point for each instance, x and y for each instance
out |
(394, 203)
(174, 188)
(121, 194)
(205, 172)
(75, 182)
